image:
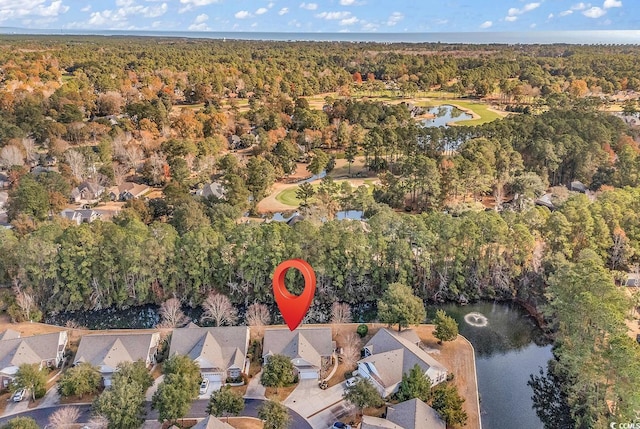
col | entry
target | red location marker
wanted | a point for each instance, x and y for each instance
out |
(293, 307)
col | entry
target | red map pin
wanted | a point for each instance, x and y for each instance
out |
(294, 307)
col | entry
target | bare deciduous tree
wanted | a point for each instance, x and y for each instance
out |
(63, 418)
(258, 315)
(29, 146)
(351, 349)
(133, 156)
(98, 422)
(25, 303)
(120, 172)
(340, 313)
(77, 163)
(218, 307)
(155, 173)
(11, 155)
(172, 315)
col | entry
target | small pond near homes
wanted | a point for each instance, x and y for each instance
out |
(445, 114)
(509, 348)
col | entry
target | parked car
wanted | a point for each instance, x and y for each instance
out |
(19, 395)
(204, 386)
(351, 381)
(340, 425)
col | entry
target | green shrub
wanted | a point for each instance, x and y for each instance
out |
(362, 330)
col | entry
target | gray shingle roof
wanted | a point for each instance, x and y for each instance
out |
(415, 414)
(369, 422)
(30, 350)
(216, 348)
(212, 423)
(389, 350)
(309, 344)
(108, 350)
(9, 334)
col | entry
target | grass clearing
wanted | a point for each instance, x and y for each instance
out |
(288, 197)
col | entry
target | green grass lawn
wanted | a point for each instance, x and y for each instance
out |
(426, 99)
(288, 196)
(481, 109)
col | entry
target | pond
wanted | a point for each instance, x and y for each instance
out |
(444, 115)
(509, 348)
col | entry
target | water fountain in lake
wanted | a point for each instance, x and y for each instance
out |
(476, 319)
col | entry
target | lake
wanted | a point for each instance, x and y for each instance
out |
(509, 348)
(444, 115)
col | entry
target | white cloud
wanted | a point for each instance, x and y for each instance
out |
(565, 12)
(309, 6)
(534, 25)
(594, 12)
(347, 2)
(486, 24)
(550, 16)
(580, 6)
(527, 8)
(283, 11)
(271, 4)
(199, 2)
(199, 27)
(35, 8)
(261, 11)
(333, 15)
(608, 4)
(243, 14)
(394, 18)
(190, 4)
(87, 8)
(510, 18)
(201, 18)
(369, 26)
(349, 21)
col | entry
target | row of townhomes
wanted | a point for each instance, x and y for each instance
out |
(221, 353)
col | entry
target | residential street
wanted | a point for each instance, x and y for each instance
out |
(198, 410)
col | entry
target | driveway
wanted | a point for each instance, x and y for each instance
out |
(320, 407)
(16, 407)
(255, 390)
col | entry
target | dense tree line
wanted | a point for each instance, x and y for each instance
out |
(476, 255)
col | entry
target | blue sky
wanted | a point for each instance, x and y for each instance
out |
(322, 15)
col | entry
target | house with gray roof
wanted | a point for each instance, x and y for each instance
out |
(128, 191)
(414, 414)
(45, 350)
(9, 334)
(211, 422)
(221, 352)
(106, 351)
(411, 414)
(86, 191)
(389, 355)
(79, 216)
(213, 189)
(308, 348)
(369, 422)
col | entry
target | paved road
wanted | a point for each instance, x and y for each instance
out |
(198, 410)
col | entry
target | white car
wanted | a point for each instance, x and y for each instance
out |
(19, 395)
(204, 386)
(351, 381)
